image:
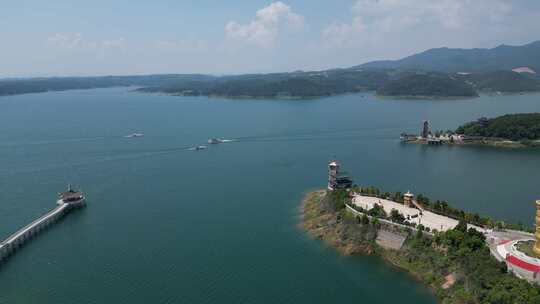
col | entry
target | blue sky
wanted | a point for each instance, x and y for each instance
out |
(119, 37)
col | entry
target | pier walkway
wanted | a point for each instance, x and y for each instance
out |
(19, 238)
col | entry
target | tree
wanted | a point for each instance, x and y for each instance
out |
(364, 220)
(461, 226)
(396, 217)
(377, 211)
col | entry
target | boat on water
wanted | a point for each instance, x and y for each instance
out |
(132, 135)
(198, 148)
(215, 141)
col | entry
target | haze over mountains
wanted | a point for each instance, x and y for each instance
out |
(440, 72)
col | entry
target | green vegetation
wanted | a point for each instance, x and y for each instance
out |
(38, 85)
(503, 81)
(427, 85)
(517, 127)
(281, 85)
(479, 278)
(296, 85)
(326, 219)
(450, 60)
(456, 264)
(527, 248)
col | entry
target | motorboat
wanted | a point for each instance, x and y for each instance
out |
(132, 135)
(215, 141)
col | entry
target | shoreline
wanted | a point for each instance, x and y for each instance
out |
(446, 271)
(505, 144)
(427, 97)
(244, 97)
(372, 249)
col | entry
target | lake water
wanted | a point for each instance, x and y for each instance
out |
(168, 225)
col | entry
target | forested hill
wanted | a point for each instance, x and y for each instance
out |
(450, 60)
(428, 85)
(282, 85)
(502, 81)
(410, 83)
(295, 85)
(38, 85)
(518, 127)
(439, 72)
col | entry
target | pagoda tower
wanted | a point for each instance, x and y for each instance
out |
(408, 199)
(425, 129)
(333, 170)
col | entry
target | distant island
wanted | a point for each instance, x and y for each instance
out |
(436, 73)
(511, 131)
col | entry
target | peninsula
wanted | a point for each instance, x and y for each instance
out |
(510, 131)
(457, 254)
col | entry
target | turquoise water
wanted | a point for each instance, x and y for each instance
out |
(168, 225)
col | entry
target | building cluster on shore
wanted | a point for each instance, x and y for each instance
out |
(439, 138)
(505, 245)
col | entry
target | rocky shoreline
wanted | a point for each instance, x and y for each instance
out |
(445, 269)
(486, 142)
(322, 223)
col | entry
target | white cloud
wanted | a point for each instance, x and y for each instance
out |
(340, 33)
(400, 18)
(264, 30)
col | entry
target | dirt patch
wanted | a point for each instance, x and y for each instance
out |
(449, 280)
(390, 240)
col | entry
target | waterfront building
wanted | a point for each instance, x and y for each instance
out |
(333, 169)
(408, 199)
(434, 141)
(71, 196)
(335, 179)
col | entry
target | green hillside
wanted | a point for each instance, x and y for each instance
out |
(504, 81)
(429, 85)
(451, 60)
(516, 127)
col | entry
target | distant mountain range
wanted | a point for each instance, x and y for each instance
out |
(441, 72)
(449, 60)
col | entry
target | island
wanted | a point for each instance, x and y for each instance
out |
(455, 253)
(520, 130)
